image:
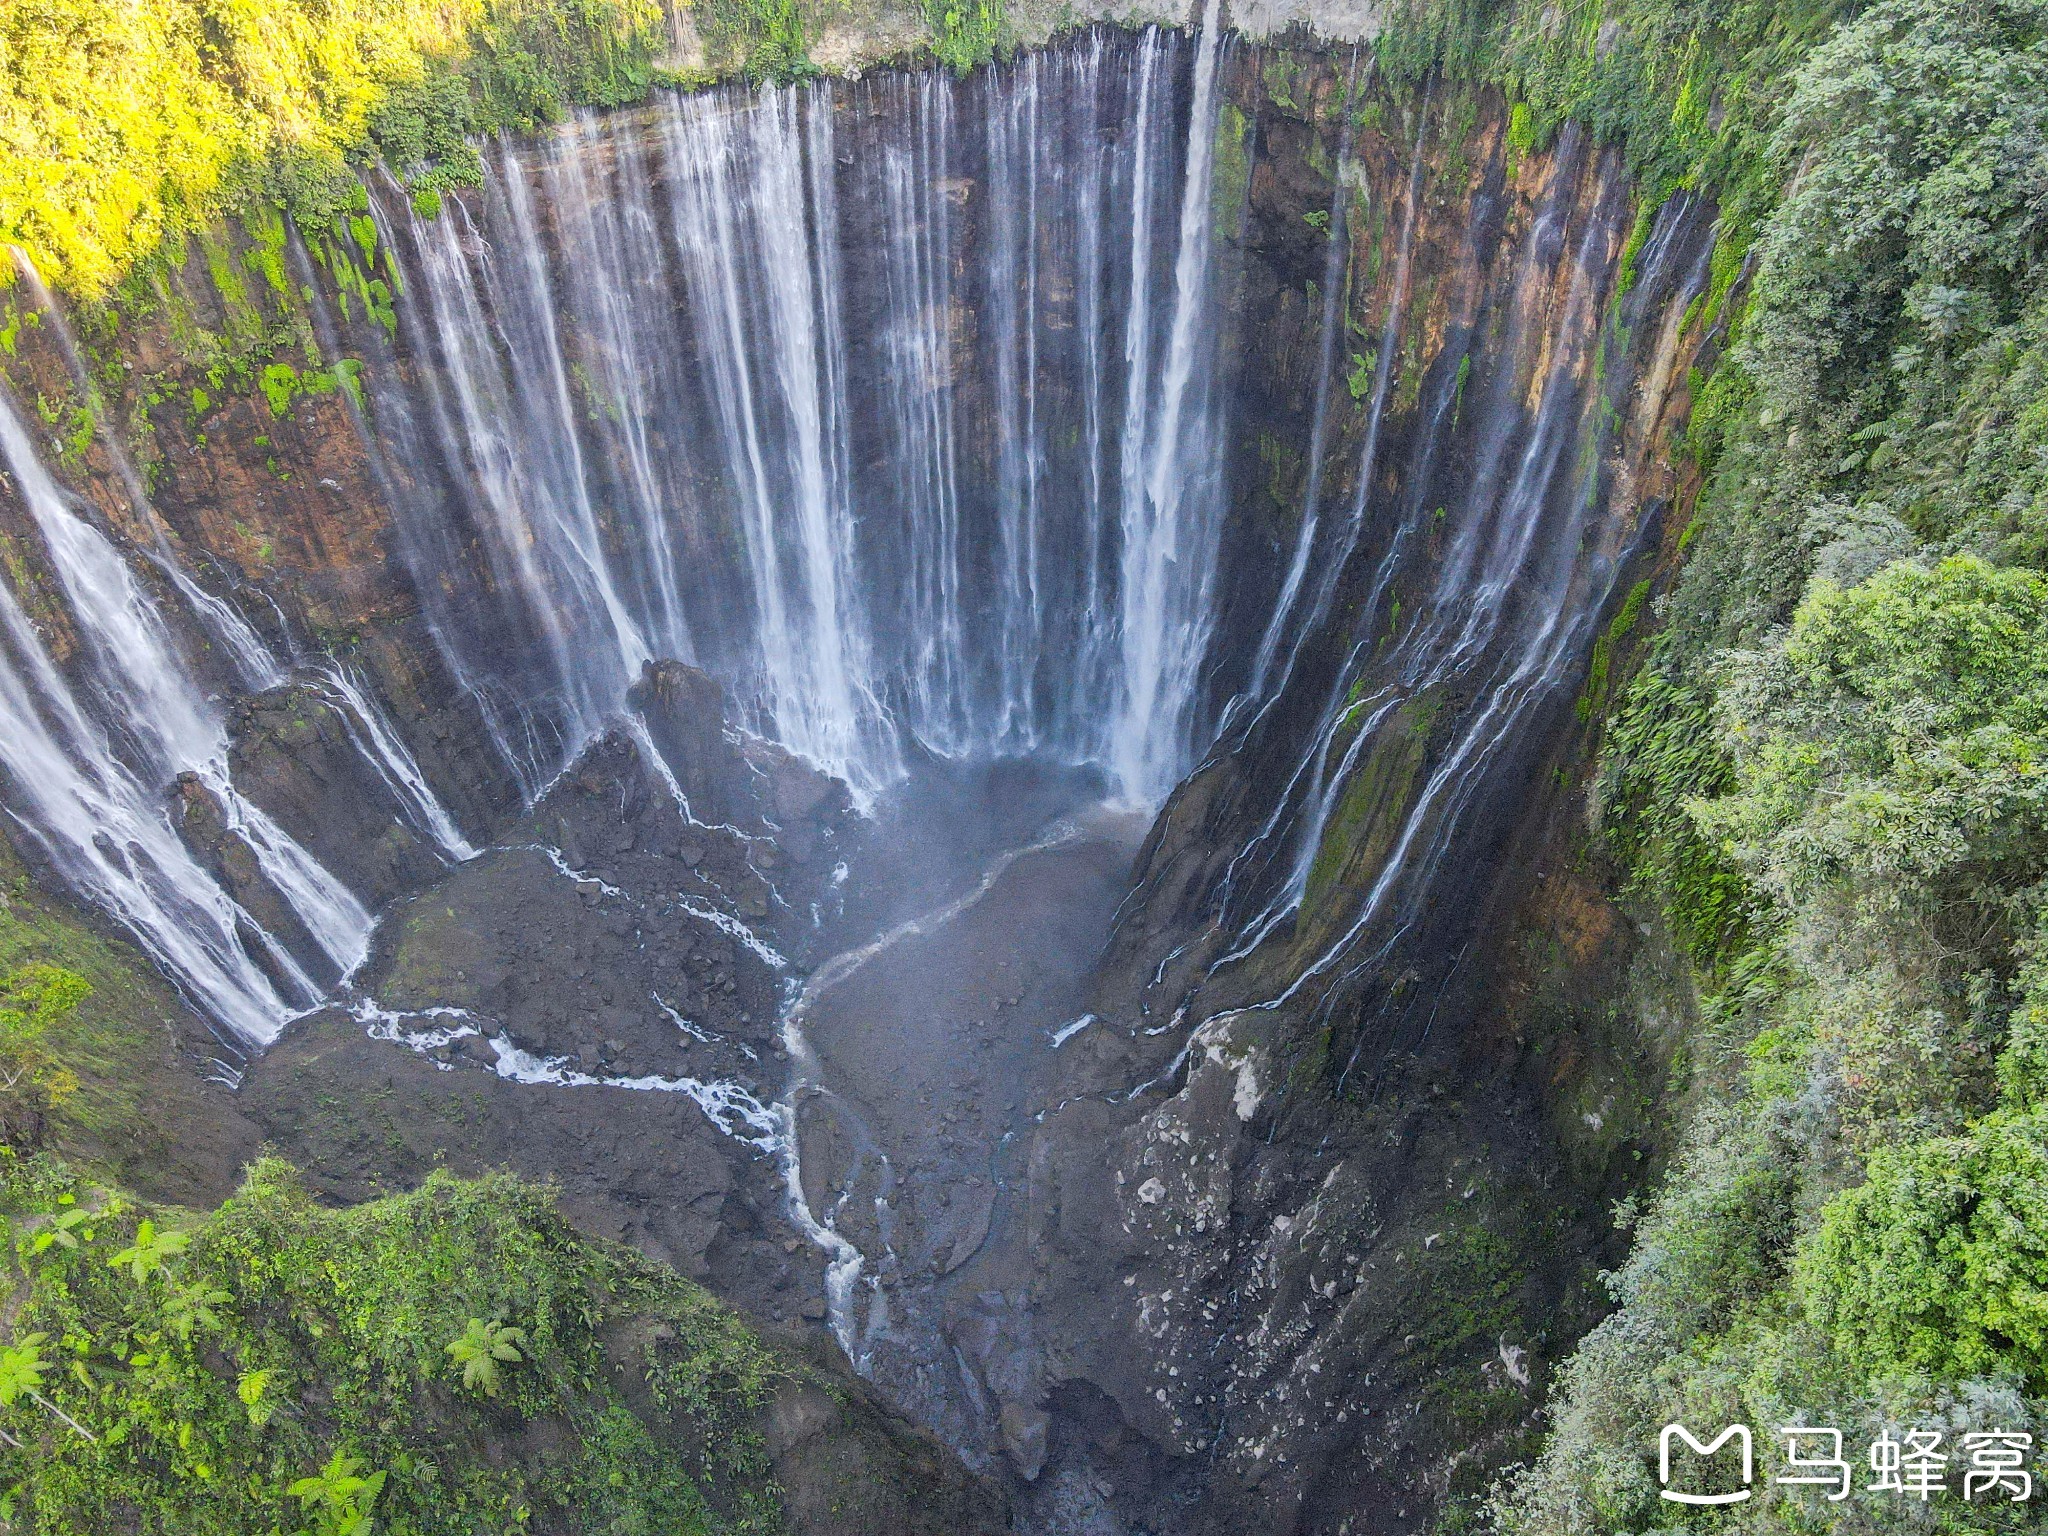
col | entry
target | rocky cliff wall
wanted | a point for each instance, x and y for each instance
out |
(1397, 1048)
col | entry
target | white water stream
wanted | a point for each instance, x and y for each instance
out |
(95, 766)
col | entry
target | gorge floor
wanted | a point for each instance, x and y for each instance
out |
(530, 1008)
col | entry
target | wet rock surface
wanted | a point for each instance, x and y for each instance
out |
(592, 998)
(593, 1001)
(932, 1056)
(298, 753)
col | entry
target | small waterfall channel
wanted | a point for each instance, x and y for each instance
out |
(92, 762)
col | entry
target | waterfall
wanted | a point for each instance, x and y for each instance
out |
(380, 745)
(743, 213)
(503, 423)
(85, 778)
(252, 658)
(1172, 502)
(636, 352)
(897, 404)
(1503, 586)
(1311, 784)
(1333, 287)
(1013, 159)
(920, 360)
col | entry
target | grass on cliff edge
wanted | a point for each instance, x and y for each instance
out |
(128, 125)
(451, 1360)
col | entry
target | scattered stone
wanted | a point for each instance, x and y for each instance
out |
(1024, 1438)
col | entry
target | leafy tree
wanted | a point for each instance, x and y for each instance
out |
(1829, 773)
(65, 1230)
(1938, 1262)
(130, 125)
(1889, 800)
(288, 1334)
(189, 1309)
(966, 33)
(253, 1388)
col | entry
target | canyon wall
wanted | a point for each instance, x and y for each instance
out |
(1277, 442)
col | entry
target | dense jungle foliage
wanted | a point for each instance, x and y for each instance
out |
(1828, 777)
(456, 1359)
(127, 125)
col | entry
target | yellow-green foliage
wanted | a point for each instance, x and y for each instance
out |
(1939, 1262)
(34, 1000)
(124, 122)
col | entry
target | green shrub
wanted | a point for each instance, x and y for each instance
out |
(129, 125)
(34, 1000)
(277, 1362)
(1938, 1263)
(966, 33)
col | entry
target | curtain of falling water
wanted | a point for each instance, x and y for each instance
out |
(87, 761)
(895, 404)
(1504, 585)
(891, 403)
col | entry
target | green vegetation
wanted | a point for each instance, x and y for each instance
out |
(763, 40)
(966, 33)
(131, 128)
(34, 1000)
(1825, 774)
(127, 126)
(1822, 775)
(284, 1368)
(1618, 630)
(88, 1017)
(1693, 90)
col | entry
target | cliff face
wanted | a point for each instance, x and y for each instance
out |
(1291, 1234)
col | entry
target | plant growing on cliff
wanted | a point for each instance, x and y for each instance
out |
(34, 1001)
(766, 40)
(1827, 773)
(482, 1350)
(284, 1336)
(338, 1498)
(22, 1369)
(966, 33)
(130, 125)
(150, 1251)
